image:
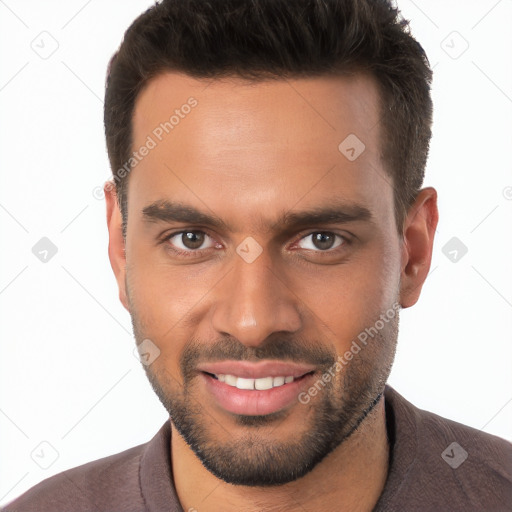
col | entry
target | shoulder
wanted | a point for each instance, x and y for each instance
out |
(110, 483)
(447, 464)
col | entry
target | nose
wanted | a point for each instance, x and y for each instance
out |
(255, 302)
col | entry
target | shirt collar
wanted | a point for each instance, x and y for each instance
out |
(157, 484)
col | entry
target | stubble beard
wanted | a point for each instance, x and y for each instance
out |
(247, 457)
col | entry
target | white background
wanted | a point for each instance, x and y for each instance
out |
(68, 374)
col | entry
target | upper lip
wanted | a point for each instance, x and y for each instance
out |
(248, 370)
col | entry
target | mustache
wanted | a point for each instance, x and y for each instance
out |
(278, 346)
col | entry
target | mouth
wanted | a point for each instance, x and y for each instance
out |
(260, 384)
(255, 396)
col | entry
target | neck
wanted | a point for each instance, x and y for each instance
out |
(351, 478)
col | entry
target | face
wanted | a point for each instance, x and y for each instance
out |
(260, 253)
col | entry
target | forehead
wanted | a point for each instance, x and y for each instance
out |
(241, 148)
(235, 111)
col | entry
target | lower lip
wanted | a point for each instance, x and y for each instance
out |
(255, 402)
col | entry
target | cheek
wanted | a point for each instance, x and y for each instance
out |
(157, 308)
(165, 298)
(380, 277)
(346, 299)
(338, 301)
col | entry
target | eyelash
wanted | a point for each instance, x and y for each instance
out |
(199, 252)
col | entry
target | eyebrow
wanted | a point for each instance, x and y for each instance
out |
(332, 213)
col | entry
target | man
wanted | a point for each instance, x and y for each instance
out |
(267, 225)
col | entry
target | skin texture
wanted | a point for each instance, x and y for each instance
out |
(248, 153)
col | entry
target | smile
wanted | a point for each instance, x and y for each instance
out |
(254, 396)
(259, 384)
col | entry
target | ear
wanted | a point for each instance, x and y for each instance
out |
(418, 240)
(116, 243)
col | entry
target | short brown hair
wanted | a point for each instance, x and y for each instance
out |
(272, 39)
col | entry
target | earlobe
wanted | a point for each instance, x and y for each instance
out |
(116, 242)
(418, 240)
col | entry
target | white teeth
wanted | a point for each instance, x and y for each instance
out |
(279, 381)
(244, 383)
(264, 383)
(259, 384)
(230, 379)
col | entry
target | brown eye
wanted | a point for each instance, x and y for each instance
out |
(322, 241)
(190, 241)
